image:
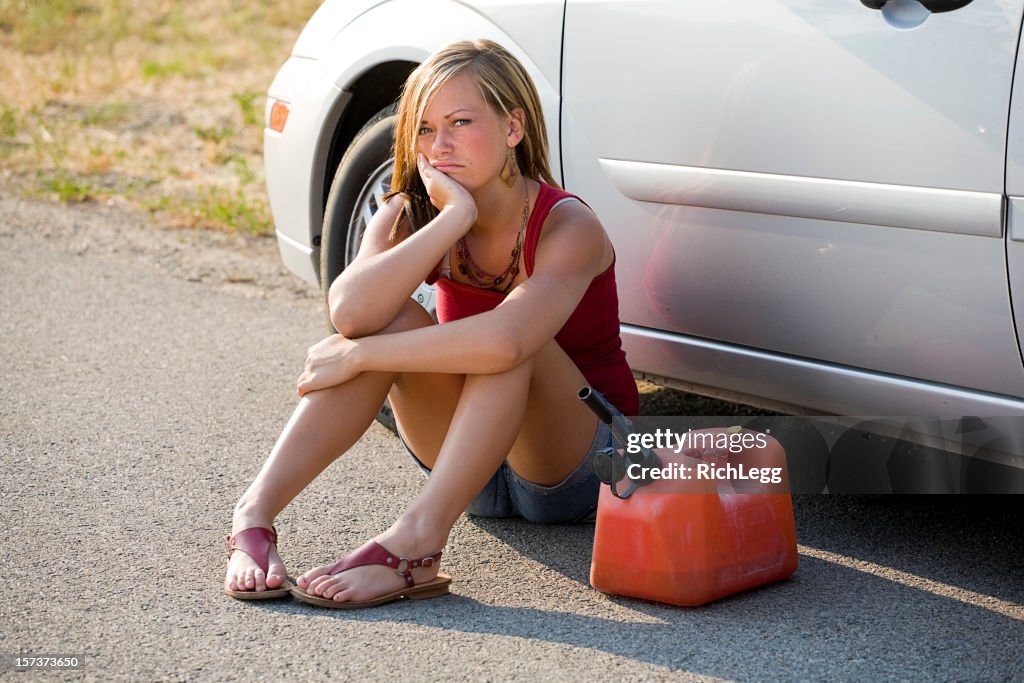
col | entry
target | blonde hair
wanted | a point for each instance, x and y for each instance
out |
(503, 83)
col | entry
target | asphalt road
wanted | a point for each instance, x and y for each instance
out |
(142, 392)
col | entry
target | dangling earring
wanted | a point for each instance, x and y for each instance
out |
(510, 171)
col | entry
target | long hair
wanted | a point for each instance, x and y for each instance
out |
(503, 84)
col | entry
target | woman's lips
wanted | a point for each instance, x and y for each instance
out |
(445, 167)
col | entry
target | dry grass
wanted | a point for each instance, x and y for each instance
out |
(158, 104)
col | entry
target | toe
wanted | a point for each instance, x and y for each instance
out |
(319, 584)
(314, 573)
(237, 581)
(276, 576)
(260, 580)
(334, 587)
(250, 579)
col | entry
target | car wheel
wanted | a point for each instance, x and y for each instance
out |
(362, 179)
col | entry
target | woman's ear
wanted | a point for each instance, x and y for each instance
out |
(516, 126)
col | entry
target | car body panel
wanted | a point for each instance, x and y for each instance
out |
(330, 19)
(1015, 260)
(291, 157)
(1015, 199)
(691, 184)
(798, 386)
(796, 87)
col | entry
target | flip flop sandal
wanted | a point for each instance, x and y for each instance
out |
(374, 553)
(256, 542)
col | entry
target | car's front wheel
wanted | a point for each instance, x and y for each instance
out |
(362, 179)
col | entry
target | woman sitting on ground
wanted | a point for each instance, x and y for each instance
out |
(485, 400)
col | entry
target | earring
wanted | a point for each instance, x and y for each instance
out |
(510, 171)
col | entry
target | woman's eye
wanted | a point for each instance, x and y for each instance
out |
(424, 131)
(461, 122)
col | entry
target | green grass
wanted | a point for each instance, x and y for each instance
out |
(8, 123)
(252, 115)
(69, 188)
(169, 27)
(154, 68)
(237, 212)
(215, 134)
(105, 114)
(38, 26)
(215, 209)
(223, 208)
(103, 98)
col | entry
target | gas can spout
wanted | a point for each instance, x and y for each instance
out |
(611, 466)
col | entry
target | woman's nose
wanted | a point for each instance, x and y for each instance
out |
(442, 143)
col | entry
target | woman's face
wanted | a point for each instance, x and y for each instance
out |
(461, 136)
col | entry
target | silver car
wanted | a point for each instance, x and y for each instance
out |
(816, 207)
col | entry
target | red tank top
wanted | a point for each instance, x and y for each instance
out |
(590, 337)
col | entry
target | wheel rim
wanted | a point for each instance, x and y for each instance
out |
(371, 198)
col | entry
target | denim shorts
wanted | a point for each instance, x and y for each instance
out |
(572, 500)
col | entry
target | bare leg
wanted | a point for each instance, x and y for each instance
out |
(527, 414)
(324, 425)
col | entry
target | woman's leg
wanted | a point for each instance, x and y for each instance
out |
(529, 414)
(324, 425)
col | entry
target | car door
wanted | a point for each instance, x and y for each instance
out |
(820, 180)
(1015, 200)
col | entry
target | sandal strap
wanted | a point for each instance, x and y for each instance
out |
(254, 542)
(375, 553)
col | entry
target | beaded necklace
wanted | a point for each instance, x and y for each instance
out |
(481, 279)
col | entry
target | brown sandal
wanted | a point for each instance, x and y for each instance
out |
(374, 553)
(256, 542)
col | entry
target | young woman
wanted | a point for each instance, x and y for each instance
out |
(485, 400)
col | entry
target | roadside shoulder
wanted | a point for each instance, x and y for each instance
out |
(247, 265)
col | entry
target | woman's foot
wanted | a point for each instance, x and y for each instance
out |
(360, 584)
(244, 574)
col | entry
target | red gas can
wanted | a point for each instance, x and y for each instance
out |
(716, 520)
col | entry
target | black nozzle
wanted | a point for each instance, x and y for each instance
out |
(596, 403)
(611, 466)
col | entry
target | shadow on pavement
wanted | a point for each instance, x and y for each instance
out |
(827, 615)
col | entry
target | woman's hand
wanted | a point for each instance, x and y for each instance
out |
(444, 191)
(329, 362)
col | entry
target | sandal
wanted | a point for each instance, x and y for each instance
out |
(256, 542)
(374, 553)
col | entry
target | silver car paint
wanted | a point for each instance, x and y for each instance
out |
(1015, 199)
(803, 179)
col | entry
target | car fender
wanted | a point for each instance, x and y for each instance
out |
(327, 22)
(357, 48)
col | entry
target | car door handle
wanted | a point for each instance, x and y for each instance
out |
(933, 6)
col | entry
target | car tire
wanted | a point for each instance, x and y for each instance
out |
(361, 174)
(361, 180)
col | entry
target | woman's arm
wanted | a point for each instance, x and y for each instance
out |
(371, 291)
(572, 251)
